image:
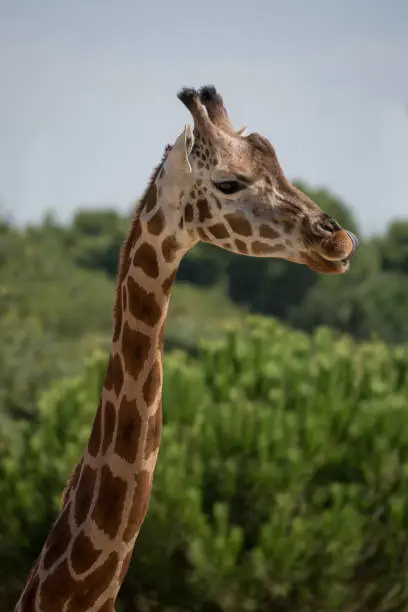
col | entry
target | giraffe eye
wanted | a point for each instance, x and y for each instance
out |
(229, 187)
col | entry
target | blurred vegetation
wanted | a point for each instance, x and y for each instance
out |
(282, 479)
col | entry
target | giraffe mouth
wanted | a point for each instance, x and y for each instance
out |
(332, 264)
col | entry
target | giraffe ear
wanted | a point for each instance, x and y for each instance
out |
(243, 131)
(177, 159)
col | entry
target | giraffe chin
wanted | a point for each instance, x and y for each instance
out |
(320, 264)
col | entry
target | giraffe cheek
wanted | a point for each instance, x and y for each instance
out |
(263, 249)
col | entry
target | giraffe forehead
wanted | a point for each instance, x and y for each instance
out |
(231, 155)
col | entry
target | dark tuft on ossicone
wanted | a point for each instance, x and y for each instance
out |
(208, 93)
(187, 96)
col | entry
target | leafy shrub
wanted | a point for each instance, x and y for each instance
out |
(281, 484)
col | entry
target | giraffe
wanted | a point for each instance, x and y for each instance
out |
(217, 185)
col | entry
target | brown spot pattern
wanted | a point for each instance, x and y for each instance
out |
(204, 212)
(108, 606)
(107, 512)
(124, 298)
(118, 315)
(114, 375)
(124, 265)
(142, 305)
(84, 495)
(288, 226)
(30, 593)
(189, 213)
(94, 443)
(95, 584)
(241, 246)
(140, 505)
(167, 284)
(154, 429)
(77, 473)
(169, 248)
(156, 224)
(266, 231)
(145, 258)
(202, 234)
(262, 248)
(57, 588)
(135, 348)
(239, 224)
(58, 540)
(109, 420)
(88, 591)
(129, 428)
(83, 553)
(218, 230)
(152, 384)
(136, 231)
(151, 195)
(72, 481)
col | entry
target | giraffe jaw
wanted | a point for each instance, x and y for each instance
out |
(319, 263)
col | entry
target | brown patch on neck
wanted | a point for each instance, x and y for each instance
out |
(135, 349)
(154, 430)
(114, 374)
(94, 443)
(168, 283)
(84, 494)
(170, 247)
(60, 586)
(147, 202)
(156, 224)
(153, 383)
(83, 553)
(142, 304)
(109, 419)
(31, 590)
(140, 504)
(58, 540)
(129, 430)
(72, 482)
(146, 259)
(108, 509)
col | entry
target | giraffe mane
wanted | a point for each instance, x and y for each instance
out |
(129, 240)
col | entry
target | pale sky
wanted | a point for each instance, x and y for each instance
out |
(88, 95)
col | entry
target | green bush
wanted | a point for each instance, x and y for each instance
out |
(281, 484)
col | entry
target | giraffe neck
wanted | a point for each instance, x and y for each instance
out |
(88, 550)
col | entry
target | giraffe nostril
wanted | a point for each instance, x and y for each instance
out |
(327, 225)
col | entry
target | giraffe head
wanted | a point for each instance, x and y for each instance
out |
(232, 192)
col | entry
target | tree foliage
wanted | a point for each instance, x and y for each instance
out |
(281, 482)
